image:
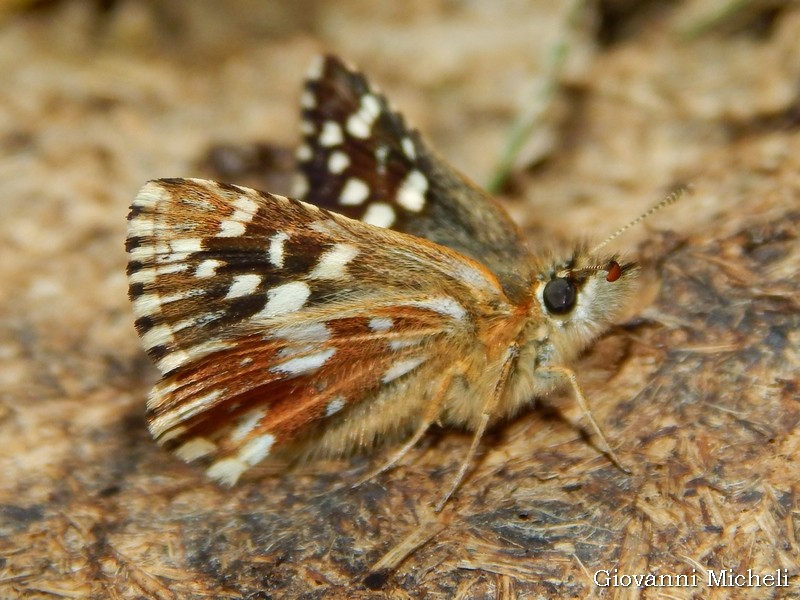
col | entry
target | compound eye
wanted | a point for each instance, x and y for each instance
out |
(559, 296)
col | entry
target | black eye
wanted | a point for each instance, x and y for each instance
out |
(559, 296)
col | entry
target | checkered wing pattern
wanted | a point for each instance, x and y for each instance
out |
(267, 315)
(360, 159)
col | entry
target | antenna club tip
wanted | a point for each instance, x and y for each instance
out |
(614, 271)
(684, 186)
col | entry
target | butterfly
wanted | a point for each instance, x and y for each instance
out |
(393, 294)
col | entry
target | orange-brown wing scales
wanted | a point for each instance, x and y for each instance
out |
(274, 390)
(265, 314)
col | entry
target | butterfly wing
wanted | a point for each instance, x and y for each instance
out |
(360, 159)
(267, 316)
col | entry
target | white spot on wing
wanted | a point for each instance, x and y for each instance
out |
(370, 105)
(246, 423)
(332, 263)
(160, 335)
(304, 364)
(338, 162)
(195, 448)
(354, 192)
(226, 471)
(411, 194)
(256, 449)
(358, 127)
(334, 406)
(186, 245)
(243, 285)
(207, 268)
(331, 134)
(360, 123)
(148, 304)
(231, 228)
(150, 194)
(142, 276)
(276, 249)
(246, 209)
(142, 225)
(285, 298)
(182, 412)
(178, 358)
(402, 367)
(380, 323)
(379, 214)
(173, 360)
(408, 148)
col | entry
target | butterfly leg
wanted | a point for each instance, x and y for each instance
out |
(569, 375)
(512, 352)
(432, 412)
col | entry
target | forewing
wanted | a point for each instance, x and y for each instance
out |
(360, 159)
(267, 315)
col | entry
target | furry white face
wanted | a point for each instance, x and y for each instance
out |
(579, 298)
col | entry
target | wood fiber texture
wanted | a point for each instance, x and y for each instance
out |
(697, 390)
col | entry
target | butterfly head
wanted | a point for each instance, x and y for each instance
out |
(581, 296)
(584, 294)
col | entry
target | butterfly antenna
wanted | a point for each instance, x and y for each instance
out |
(612, 268)
(672, 198)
